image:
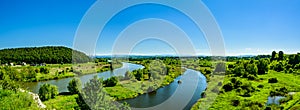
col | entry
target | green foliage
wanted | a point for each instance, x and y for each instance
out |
(297, 66)
(235, 102)
(74, 86)
(274, 57)
(138, 74)
(93, 96)
(280, 55)
(44, 70)
(62, 102)
(205, 63)
(244, 93)
(279, 92)
(279, 67)
(15, 100)
(272, 80)
(228, 87)
(238, 70)
(262, 66)
(120, 93)
(47, 92)
(110, 82)
(37, 55)
(252, 69)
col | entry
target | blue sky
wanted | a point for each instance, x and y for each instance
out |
(248, 26)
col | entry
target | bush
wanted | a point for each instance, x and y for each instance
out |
(297, 66)
(47, 92)
(228, 87)
(291, 70)
(235, 102)
(12, 100)
(74, 86)
(251, 77)
(110, 82)
(260, 86)
(273, 80)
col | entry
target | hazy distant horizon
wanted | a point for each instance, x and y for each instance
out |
(161, 54)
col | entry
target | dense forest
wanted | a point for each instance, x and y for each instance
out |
(37, 55)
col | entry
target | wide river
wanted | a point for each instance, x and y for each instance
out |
(174, 96)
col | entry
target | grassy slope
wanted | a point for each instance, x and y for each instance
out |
(62, 102)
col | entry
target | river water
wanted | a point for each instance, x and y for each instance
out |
(63, 83)
(174, 96)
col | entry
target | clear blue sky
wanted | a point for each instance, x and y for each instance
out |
(248, 26)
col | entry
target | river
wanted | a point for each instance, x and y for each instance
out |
(63, 83)
(173, 96)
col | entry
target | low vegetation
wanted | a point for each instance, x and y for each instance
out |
(250, 81)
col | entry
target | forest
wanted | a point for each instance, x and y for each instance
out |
(38, 55)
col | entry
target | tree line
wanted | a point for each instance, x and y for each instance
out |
(37, 55)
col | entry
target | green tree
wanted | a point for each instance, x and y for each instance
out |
(273, 56)
(280, 55)
(238, 70)
(228, 87)
(252, 69)
(110, 82)
(263, 66)
(93, 96)
(138, 74)
(47, 92)
(279, 67)
(74, 86)
(44, 70)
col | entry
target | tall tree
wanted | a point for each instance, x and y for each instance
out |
(273, 56)
(263, 66)
(74, 86)
(252, 69)
(47, 92)
(280, 56)
(93, 96)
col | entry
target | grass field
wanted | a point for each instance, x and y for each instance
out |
(260, 95)
(62, 102)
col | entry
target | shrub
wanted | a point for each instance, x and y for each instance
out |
(291, 70)
(235, 102)
(47, 92)
(260, 86)
(228, 87)
(251, 77)
(273, 80)
(74, 86)
(12, 100)
(110, 82)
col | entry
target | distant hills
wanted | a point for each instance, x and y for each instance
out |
(48, 54)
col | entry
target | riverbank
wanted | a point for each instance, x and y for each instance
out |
(132, 88)
(58, 71)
